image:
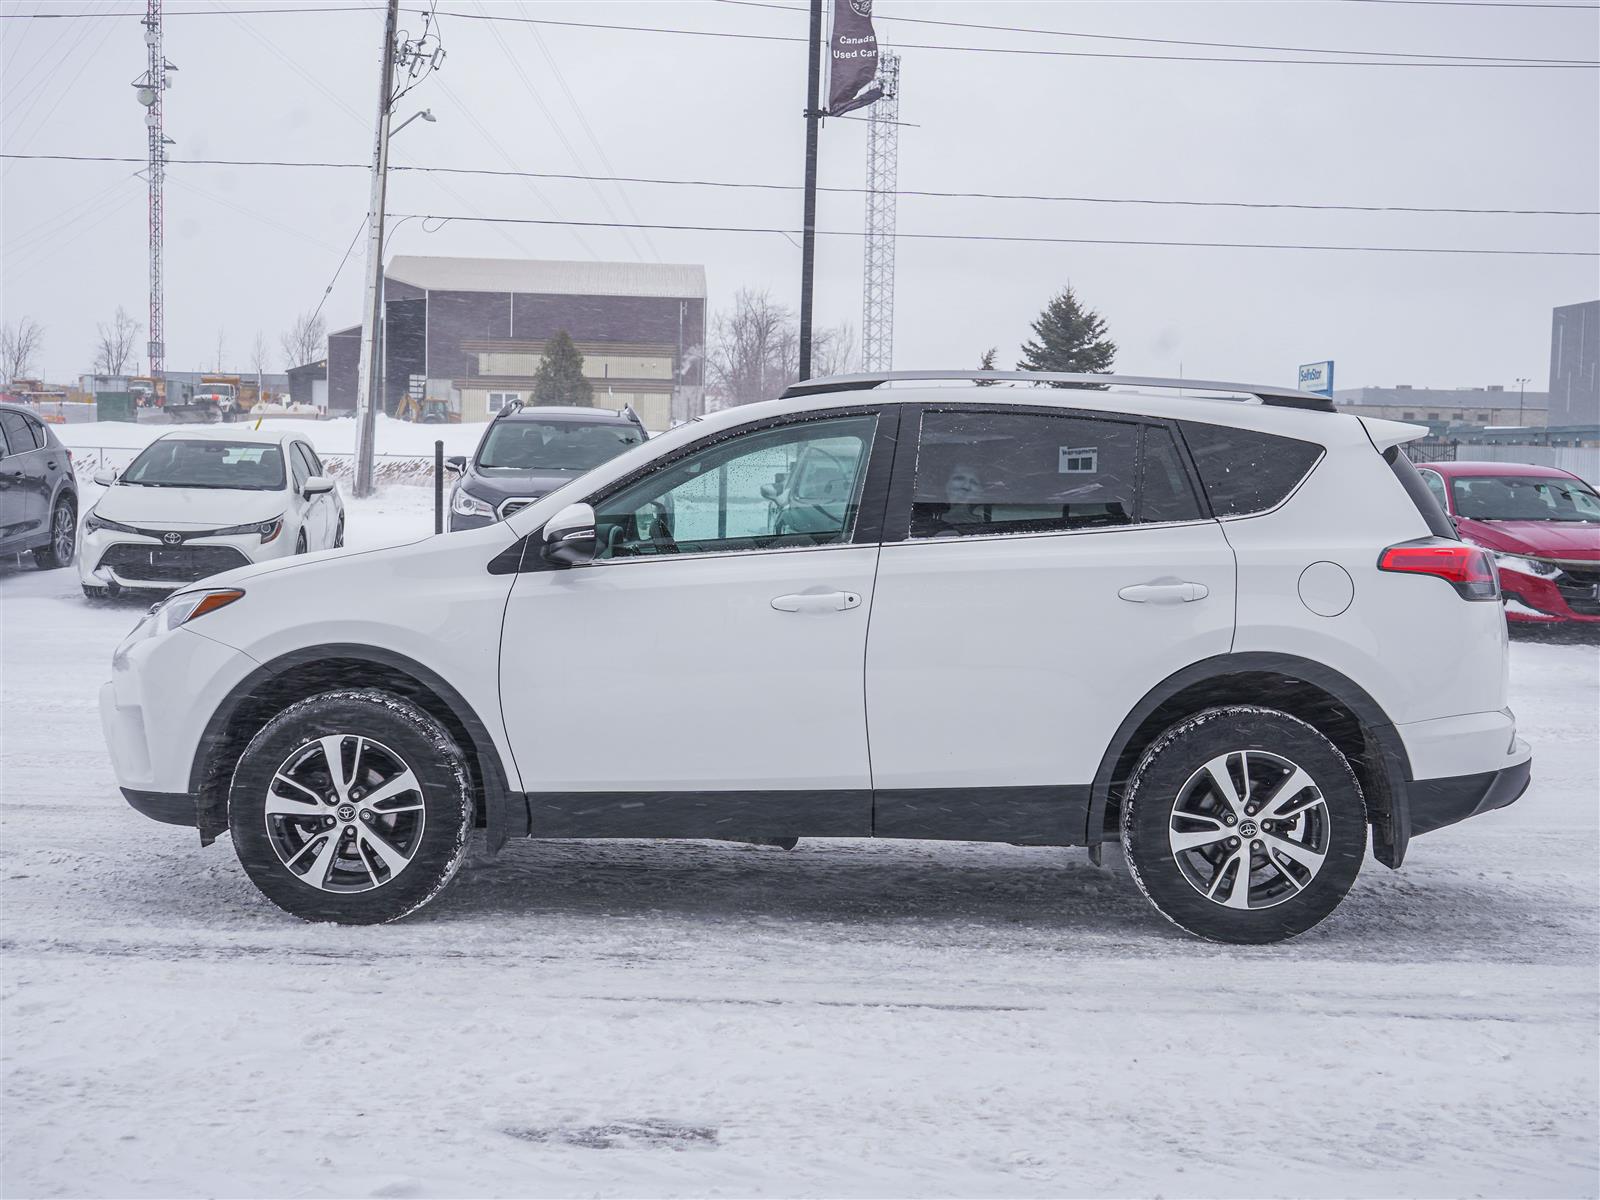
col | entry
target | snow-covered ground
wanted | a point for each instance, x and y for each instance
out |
(847, 1019)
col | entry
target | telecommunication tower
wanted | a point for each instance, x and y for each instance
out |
(883, 154)
(150, 88)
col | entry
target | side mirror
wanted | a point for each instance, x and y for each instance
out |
(456, 463)
(317, 485)
(105, 477)
(569, 539)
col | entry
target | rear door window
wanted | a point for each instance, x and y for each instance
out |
(1031, 472)
(18, 436)
(1244, 471)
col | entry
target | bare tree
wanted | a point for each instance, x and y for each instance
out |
(116, 345)
(306, 341)
(749, 358)
(833, 350)
(260, 354)
(755, 350)
(18, 345)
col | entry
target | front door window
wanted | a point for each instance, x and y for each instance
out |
(793, 486)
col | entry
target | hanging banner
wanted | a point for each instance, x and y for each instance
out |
(853, 58)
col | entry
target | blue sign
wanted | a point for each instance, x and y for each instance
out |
(1317, 377)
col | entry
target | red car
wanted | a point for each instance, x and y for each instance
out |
(1543, 526)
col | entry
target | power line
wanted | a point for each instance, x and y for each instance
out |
(1499, 64)
(1117, 37)
(1313, 62)
(790, 187)
(1031, 240)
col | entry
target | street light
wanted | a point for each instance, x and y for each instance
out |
(426, 114)
(1521, 386)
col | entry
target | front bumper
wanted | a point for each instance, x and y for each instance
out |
(130, 561)
(1537, 600)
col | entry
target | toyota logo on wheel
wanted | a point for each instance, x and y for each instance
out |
(172, 539)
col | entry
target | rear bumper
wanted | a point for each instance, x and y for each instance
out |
(1435, 803)
(170, 808)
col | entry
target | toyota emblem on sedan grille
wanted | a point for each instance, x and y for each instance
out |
(172, 539)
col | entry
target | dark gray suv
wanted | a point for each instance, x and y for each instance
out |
(527, 453)
(38, 491)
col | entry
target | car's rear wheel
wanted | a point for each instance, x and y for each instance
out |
(1244, 825)
(352, 806)
(338, 536)
(300, 543)
(63, 537)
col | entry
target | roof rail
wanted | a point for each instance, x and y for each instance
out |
(1274, 396)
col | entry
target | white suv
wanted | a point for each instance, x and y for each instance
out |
(1051, 616)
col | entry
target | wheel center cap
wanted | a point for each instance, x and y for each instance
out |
(347, 812)
(1247, 829)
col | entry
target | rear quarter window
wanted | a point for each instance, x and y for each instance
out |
(1244, 471)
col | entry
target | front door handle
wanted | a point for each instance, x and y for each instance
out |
(1175, 592)
(817, 602)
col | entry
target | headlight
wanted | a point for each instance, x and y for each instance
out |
(94, 521)
(267, 529)
(1526, 566)
(166, 615)
(468, 505)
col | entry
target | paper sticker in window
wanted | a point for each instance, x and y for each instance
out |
(249, 454)
(1079, 460)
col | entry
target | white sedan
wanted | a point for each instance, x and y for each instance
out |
(198, 502)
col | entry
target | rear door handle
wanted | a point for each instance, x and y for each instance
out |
(1177, 592)
(817, 602)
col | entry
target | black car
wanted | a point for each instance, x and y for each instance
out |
(526, 453)
(38, 492)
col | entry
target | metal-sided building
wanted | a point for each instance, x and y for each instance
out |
(471, 331)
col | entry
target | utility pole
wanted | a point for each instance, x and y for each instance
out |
(150, 88)
(877, 275)
(370, 366)
(808, 244)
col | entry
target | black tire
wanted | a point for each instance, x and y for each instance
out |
(63, 544)
(300, 543)
(433, 842)
(91, 592)
(1285, 900)
(338, 536)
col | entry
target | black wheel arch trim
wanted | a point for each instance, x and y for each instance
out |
(1391, 764)
(505, 811)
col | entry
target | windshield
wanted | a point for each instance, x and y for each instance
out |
(192, 463)
(1524, 498)
(554, 445)
(215, 389)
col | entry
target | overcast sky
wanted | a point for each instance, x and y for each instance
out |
(248, 248)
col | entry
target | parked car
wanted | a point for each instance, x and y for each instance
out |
(527, 453)
(1192, 624)
(38, 491)
(1543, 527)
(197, 502)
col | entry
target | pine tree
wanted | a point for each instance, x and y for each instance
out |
(559, 379)
(986, 363)
(1071, 338)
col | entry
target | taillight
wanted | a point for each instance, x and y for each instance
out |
(1466, 568)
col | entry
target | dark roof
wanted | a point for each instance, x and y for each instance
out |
(571, 412)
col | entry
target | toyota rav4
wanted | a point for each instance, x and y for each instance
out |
(1042, 615)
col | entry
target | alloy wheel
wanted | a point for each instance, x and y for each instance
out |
(64, 533)
(344, 813)
(1249, 829)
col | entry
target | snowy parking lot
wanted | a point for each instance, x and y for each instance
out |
(847, 1019)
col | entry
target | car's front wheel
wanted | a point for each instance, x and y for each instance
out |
(352, 806)
(1244, 824)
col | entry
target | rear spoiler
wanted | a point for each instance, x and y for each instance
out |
(1387, 434)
